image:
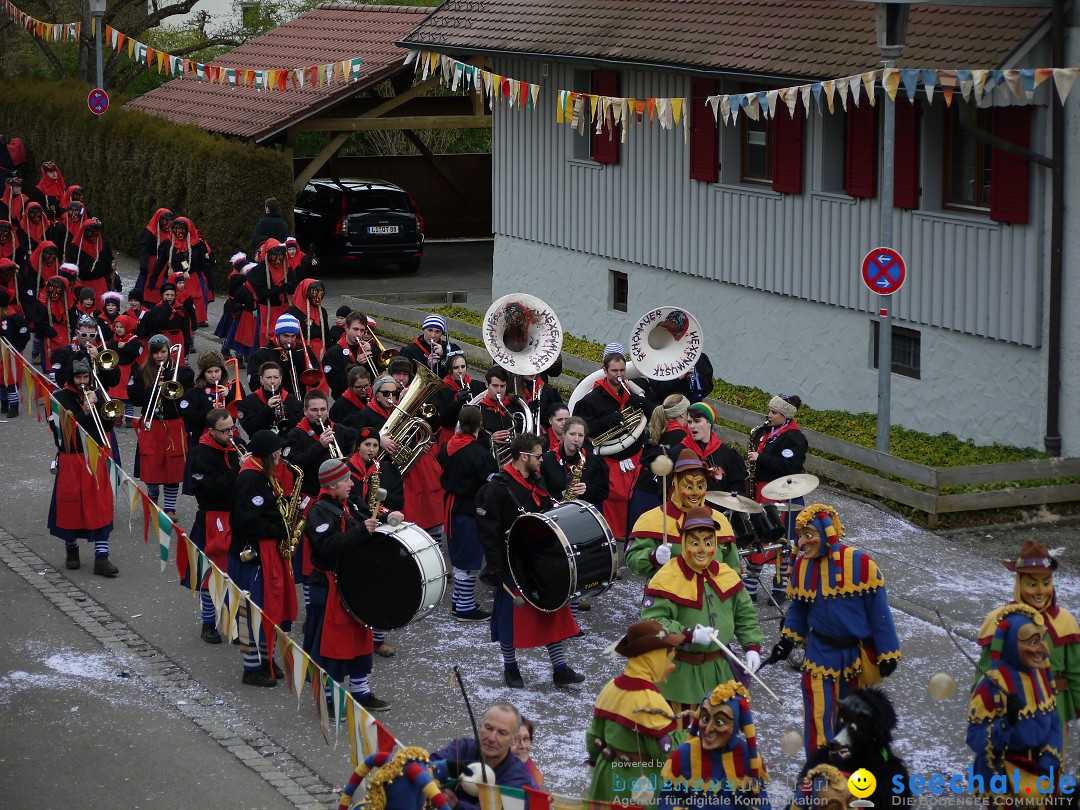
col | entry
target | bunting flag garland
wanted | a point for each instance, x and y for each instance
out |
(178, 67)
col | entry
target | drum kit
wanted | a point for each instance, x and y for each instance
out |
(761, 528)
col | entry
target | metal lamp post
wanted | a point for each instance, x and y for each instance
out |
(97, 12)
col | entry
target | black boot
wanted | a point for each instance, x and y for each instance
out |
(103, 567)
(13, 411)
(210, 634)
(273, 668)
(72, 561)
(258, 678)
(513, 678)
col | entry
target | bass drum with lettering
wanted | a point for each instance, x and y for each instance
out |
(561, 555)
(397, 578)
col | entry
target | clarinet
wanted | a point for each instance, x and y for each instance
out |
(373, 490)
(751, 466)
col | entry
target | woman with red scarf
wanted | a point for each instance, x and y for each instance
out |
(307, 308)
(449, 401)
(33, 228)
(50, 189)
(173, 256)
(65, 229)
(156, 232)
(59, 303)
(161, 435)
(300, 264)
(128, 346)
(13, 201)
(725, 467)
(255, 563)
(466, 463)
(273, 283)
(94, 257)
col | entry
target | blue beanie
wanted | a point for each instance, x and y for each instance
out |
(287, 325)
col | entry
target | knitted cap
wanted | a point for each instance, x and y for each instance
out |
(435, 321)
(782, 407)
(287, 325)
(211, 358)
(342, 311)
(332, 471)
(157, 342)
(703, 410)
(264, 442)
(80, 367)
(367, 433)
(614, 348)
(238, 260)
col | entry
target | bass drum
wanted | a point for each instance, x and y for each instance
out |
(560, 555)
(397, 578)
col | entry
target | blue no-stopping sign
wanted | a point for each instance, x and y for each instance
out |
(884, 271)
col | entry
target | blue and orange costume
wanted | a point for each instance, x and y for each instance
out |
(401, 781)
(840, 611)
(1013, 723)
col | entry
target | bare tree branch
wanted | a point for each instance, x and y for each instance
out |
(45, 49)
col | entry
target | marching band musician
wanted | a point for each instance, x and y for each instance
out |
(212, 389)
(668, 435)
(725, 467)
(273, 283)
(269, 406)
(215, 463)
(570, 454)
(82, 501)
(695, 384)
(462, 389)
(602, 410)
(355, 397)
(128, 346)
(169, 318)
(364, 465)
(261, 528)
(494, 416)
(556, 418)
(432, 347)
(647, 551)
(162, 438)
(516, 489)
(778, 449)
(308, 445)
(287, 352)
(534, 391)
(335, 640)
(352, 349)
(467, 464)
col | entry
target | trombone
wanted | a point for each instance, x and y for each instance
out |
(310, 375)
(96, 417)
(107, 358)
(383, 354)
(170, 389)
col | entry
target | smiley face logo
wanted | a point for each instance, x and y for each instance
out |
(861, 783)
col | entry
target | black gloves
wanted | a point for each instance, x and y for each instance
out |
(780, 651)
(1012, 709)
(887, 668)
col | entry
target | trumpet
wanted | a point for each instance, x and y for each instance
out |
(279, 409)
(238, 446)
(107, 358)
(95, 416)
(333, 447)
(170, 389)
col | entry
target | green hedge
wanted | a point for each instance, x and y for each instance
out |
(131, 163)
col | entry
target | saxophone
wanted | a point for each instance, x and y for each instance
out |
(373, 490)
(573, 478)
(751, 466)
(292, 515)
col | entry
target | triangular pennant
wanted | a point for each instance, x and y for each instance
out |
(979, 78)
(929, 80)
(725, 108)
(947, 79)
(910, 78)
(868, 80)
(1015, 82)
(842, 91)
(890, 80)
(1064, 79)
(714, 102)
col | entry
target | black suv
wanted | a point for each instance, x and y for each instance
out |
(360, 222)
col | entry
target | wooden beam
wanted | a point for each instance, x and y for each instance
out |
(405, 122)
(320, 159)
(432, 160)
(394, 102)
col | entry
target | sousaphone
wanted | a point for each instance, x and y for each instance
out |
(665, 343)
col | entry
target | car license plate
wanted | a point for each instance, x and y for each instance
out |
(383, 229)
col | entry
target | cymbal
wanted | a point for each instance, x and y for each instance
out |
(790, 486)
(737, 503)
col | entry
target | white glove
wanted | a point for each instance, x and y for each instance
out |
(663, 554)
(753, 660)
(626, 465)
(702, 635)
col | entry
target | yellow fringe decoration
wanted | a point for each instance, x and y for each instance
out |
(376, 799)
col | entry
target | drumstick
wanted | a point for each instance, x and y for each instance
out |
(662, 465)
(727, 651)
(518, 601)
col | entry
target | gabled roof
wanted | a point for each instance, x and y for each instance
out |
(330, 32)
(797, 38)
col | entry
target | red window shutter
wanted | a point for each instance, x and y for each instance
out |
(861, 152)
(787, 134)
(1010, 174)
(906, 155)
(605, 145)
(704, 141)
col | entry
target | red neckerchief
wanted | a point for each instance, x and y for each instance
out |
(458, 441)
(265, 397)
(277, 277)
(538, 386)
(620, 396)
(28, 227)
(466, 381)
(211, 442)
(350, 395)
(377, 408)
(283, 478)
(307, 427)
(423, 347)
(343, 342)
(360, 467)
(557, 449)
(492, 405)
(136, 313)
(52, 188)
(775, 432)
(710, 447)
(553, 440)
(538, 493)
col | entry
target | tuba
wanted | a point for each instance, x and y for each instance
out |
(407, 425)
(665, 343)
(522, 421)
(622, 436)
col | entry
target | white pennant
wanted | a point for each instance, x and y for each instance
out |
(1064, 78)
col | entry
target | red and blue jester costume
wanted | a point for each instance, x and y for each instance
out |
(840, 611)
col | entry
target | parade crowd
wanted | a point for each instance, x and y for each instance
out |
(308, 447)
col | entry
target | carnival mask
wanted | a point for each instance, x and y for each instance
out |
(699, 548)
(1037, 590)
(1031, 644)
(715, 725)
(692, 488)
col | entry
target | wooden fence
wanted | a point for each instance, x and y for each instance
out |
(919, 487)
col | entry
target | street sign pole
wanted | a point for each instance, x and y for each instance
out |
(884, 354)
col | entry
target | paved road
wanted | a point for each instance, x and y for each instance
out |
(69, 634)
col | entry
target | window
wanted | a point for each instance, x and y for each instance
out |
(757, 150)
(582, 144)
(906, 351)
(967, 161)
(620, 291)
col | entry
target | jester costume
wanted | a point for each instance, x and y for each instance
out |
(400, 782)
(1013, 724)
(726, 776)
(1036, 565)
(632, 729)
(840, 611)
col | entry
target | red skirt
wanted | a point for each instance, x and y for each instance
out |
(83, 501)
(120, 390)
(217, 534)
(99, 285)
(162, 450)
(424, 493)
(245, 330)
(195, 293)
(279, 591)
(343, 637)
(620, 488)
(176, 338)
(534, 628)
